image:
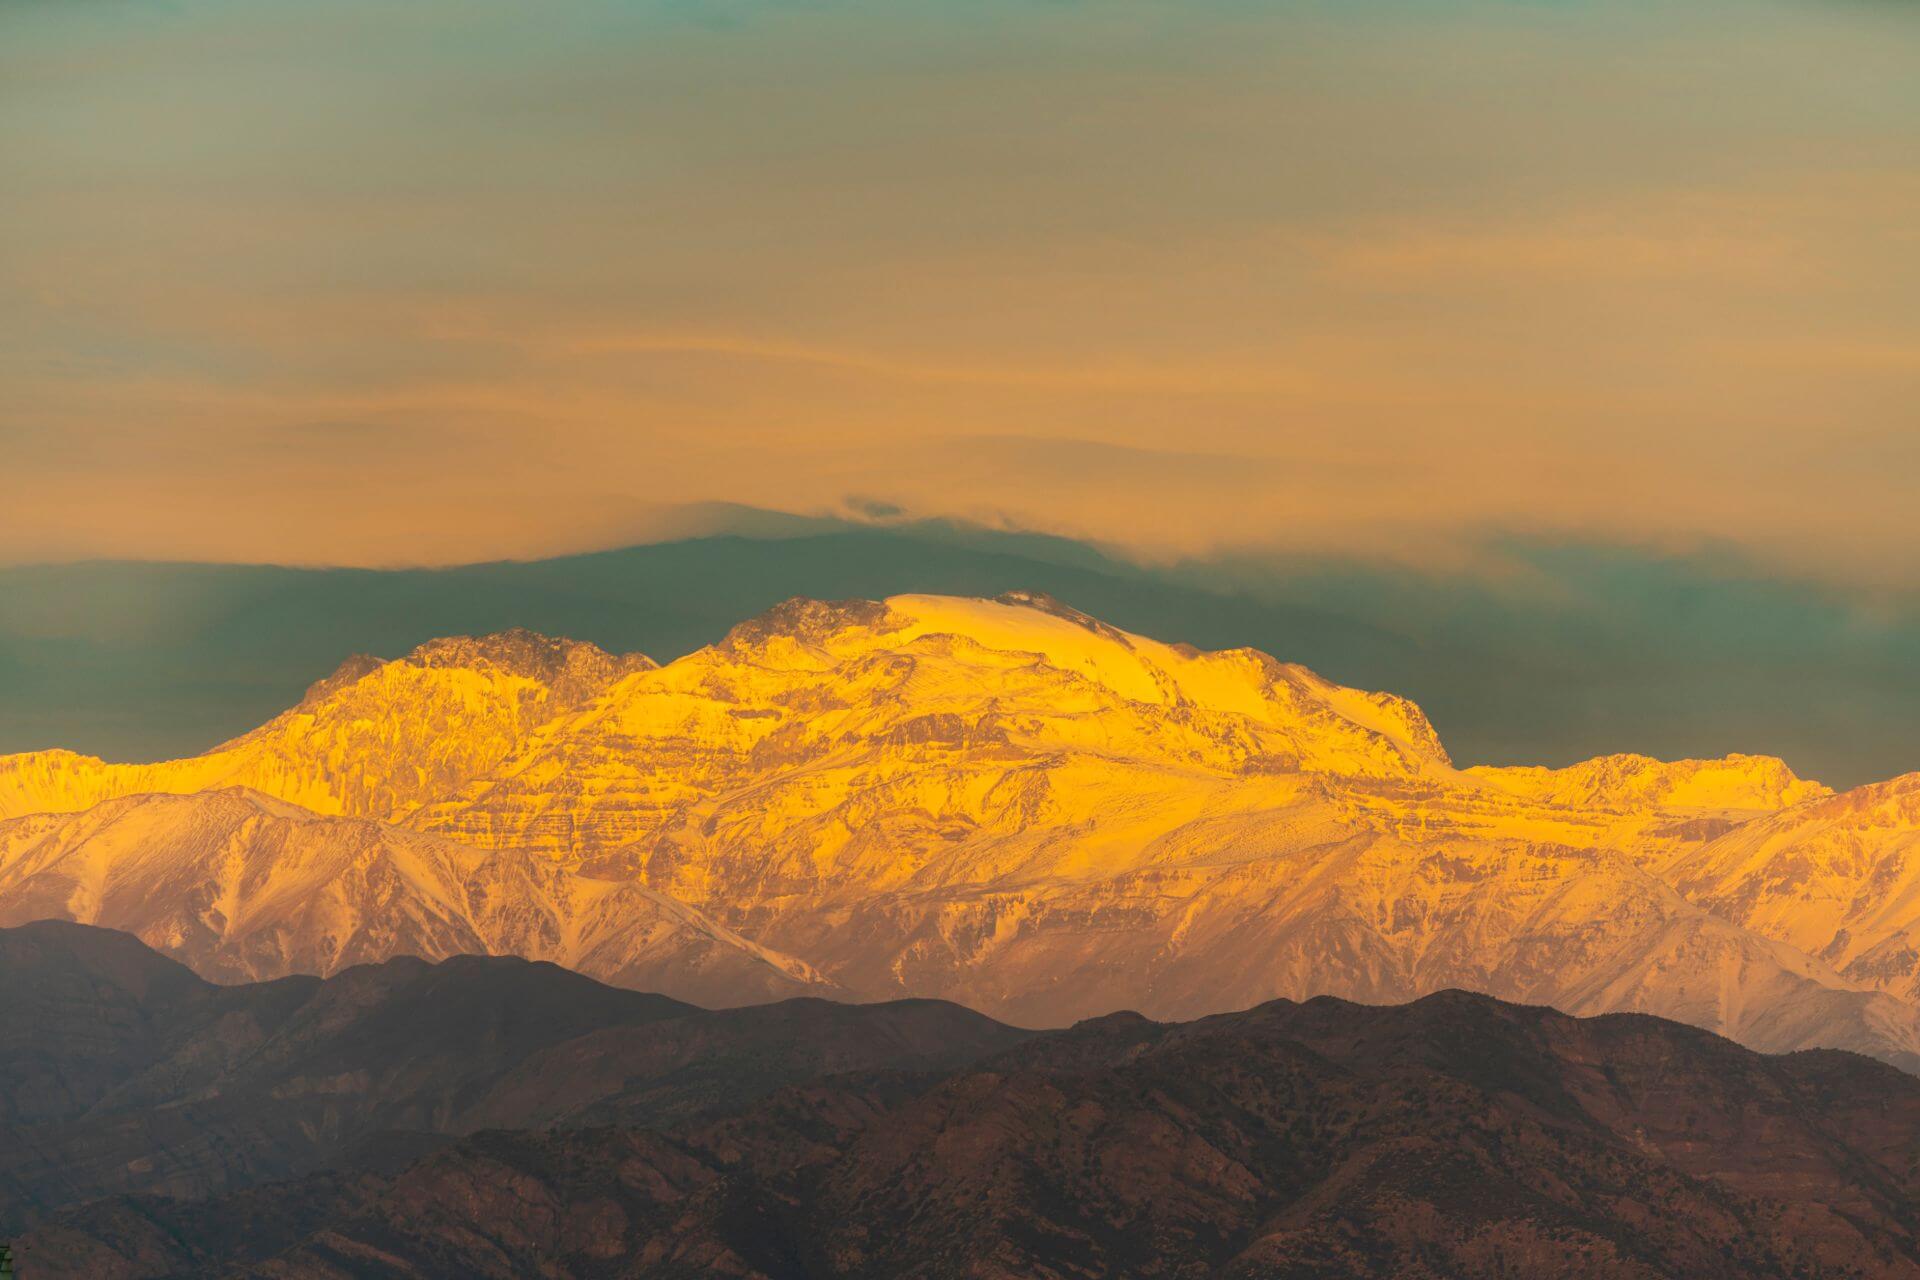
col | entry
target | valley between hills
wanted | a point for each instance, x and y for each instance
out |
(1001, 803)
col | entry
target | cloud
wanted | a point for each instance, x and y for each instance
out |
(878, 510)
(325, 284)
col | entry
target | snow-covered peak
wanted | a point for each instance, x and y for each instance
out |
(1026, 649)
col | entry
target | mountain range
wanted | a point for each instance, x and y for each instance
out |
(500, 1118)
(1004, 803)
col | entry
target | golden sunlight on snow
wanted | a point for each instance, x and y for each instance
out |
(1002, 802)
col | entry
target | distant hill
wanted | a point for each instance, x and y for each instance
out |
(1456, 1138)
(121, 1072)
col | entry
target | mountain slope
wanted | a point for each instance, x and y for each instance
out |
(373, 739)
(1838, 877)
(125, 1073)
(1458, 1137)
(1659, 810)
(243, 887)
(227, 1085)
(82, 1010)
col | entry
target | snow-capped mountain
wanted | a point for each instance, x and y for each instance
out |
(1013, 805)
(374, 739)
(1837, 876)
(243, 887)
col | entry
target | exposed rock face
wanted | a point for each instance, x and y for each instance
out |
(243, 887)
(348, 673)
(1456, 1138)
(1013, 805)
(123, 1072)
(571, 671)
(804, 619)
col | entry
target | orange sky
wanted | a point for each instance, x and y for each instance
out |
(362, 283)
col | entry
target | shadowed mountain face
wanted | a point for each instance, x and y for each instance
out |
(81, 1011)
(1457, 1138)
(123, 1072)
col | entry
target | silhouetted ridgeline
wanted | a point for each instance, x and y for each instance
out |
(498, 1119)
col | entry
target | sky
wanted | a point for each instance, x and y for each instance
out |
(429, 283)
